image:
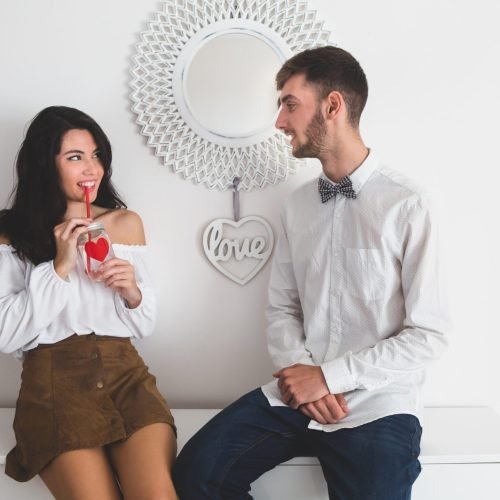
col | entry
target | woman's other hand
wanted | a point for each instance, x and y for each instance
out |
(119, 275)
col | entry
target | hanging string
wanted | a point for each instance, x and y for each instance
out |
(236, 198)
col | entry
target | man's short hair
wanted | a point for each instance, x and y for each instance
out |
(330, 68)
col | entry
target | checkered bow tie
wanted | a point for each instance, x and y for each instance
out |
(328, 190)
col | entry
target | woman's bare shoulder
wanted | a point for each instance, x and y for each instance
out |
(124, 226)
(4, 240)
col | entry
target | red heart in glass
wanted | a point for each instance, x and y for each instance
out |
(98, 249)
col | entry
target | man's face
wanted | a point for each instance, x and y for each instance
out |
(301, 118)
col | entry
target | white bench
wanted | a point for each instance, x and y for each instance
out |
(460, 460)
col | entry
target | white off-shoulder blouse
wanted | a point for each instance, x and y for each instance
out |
(37, 306)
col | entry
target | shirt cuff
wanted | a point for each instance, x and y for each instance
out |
(124, 305)
(338, 377)
(54, 272)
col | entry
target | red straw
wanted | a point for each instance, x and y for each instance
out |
(87, 202)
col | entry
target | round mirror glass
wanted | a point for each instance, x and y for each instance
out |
(229, 85)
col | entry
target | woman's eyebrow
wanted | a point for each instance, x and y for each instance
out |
(73, 151)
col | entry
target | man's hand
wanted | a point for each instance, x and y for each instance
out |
(301, 384)
(327, 410)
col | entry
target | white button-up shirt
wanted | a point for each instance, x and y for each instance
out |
(38, 307)
(356, 287)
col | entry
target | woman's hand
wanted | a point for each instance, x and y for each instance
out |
(66, 235)
(119, 275)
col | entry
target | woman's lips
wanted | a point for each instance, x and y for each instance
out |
(87, 185)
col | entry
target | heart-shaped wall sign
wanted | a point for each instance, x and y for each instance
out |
(238, 249)
(98, 250)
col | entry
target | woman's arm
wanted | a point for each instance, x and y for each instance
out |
(128, 276)
(126, 228)
(30, 298)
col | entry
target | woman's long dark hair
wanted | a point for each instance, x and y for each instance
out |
(38, 202)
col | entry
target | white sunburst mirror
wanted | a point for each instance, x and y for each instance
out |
(203, 87)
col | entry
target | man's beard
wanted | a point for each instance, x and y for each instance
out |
(315, 133)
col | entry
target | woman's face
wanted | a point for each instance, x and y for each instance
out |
(79, 165)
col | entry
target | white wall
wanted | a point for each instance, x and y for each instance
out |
(433, 71)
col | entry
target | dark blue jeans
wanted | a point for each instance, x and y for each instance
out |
(376, 461)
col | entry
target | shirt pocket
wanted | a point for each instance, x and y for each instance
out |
(365, 270)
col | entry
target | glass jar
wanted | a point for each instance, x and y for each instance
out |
(94, 247)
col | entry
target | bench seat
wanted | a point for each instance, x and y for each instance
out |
(460, 459)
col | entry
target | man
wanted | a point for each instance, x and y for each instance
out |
(355, 312)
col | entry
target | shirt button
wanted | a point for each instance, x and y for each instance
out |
(100, 384)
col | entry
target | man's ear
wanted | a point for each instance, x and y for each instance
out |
(335, 102)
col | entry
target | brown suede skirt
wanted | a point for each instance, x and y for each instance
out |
(83, 392)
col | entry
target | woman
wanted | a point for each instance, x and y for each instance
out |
(89, 418)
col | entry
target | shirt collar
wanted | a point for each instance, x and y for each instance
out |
(361, 174)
